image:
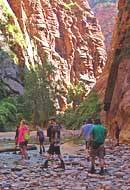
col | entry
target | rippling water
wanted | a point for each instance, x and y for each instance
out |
(6, 144)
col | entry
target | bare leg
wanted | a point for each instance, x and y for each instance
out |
(25, 152)
(15, 149)
(22, 152)
(87, 154)
(92, 165)
(102, 164)
(117, 141)
(46, 161)
(62, 162)
(40, 148)
(43, 148)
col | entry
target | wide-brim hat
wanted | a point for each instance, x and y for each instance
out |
(53, 118)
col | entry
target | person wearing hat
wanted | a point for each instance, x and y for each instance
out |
(54, 147)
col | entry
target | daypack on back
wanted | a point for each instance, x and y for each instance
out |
(99, 133)
(26, 134)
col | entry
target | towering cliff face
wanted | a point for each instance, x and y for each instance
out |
(117, 96)
(105, 11)
(68, 32)
(12, 51)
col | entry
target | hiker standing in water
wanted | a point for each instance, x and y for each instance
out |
(23, 138)
(117, 131)
(86, 133)
(49, 127)
(54, 147)
(41, 138)
(16, 137)
(98, 136)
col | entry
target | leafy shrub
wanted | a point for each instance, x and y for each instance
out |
(3, 91)
(76, 93)
(89, 108)
(8, 112)
(69, 6)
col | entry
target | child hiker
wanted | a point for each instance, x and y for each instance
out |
(41, 138)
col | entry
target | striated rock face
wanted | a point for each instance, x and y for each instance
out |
(117, 96)
(12, 52)
(68, 32)
(105, 12)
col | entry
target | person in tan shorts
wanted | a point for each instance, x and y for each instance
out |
(98, 136)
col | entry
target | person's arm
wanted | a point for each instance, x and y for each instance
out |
(81, 132)
(90, 140)
(37, 136)
(106, 133)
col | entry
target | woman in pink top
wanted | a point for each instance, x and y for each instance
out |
(23, 130)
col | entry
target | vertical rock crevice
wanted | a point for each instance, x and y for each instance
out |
(117, 96)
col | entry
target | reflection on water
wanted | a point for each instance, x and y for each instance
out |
(6, 144)
(70, 148)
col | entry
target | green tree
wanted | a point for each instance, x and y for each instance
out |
(90, 107)
(39, 94)
(3, 91)
(8, 114)
(76, 94)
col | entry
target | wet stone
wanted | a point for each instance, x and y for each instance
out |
(16, 174)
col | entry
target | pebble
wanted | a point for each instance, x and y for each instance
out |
(16, 174)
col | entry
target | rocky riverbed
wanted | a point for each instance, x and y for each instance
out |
(16, 174)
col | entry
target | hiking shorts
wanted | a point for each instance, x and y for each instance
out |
(23, 144)
(41, 141)
(54, 149)
(99, 152)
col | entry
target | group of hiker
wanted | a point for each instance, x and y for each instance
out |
(93, 132)
(53, 133)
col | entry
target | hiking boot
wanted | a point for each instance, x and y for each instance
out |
(92, 171)
(40, 151)
(45, 164)
(102, 172)
(43, 150)
(62, 165)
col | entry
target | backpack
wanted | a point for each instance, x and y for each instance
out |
(49, 131)
(26, 134)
